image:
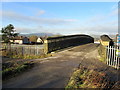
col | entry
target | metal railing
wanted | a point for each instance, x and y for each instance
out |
(112, 56)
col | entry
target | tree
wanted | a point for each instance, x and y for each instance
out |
(33, 39)
(8, 33)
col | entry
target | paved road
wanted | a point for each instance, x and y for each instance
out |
(55, 71)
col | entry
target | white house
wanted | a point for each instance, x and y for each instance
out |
(20, 40)
(39, 40)
(11, 41)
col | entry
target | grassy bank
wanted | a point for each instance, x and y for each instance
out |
(23, 56)
(84, 78)
(11, 69)
(102, 53)
(17, 64)
(13, 66)
(31, 56)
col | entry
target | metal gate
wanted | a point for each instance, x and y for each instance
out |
(113, 56)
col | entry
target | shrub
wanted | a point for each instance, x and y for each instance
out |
(84, 78)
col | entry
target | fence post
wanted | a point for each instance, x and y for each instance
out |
(110, 55)
(22, 51)
(37, 50)
(107, 53)
(114, 56)
(34, 50)
(112, 59)
(118, 59)
(30, 50)
(45, 46)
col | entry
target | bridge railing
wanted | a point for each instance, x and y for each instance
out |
(57, 43)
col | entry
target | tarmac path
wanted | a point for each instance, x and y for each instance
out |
(55, 71)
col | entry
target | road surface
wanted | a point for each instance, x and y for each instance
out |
(55, 71)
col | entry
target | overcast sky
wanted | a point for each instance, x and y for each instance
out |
(61, 17)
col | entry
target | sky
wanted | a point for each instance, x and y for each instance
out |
(61, 17)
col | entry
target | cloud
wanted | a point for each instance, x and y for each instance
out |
(71, 20)
(98, 24)
(40, 12)
(115, 12)
(30, 19)
(96, 30)
(29, 29)
(96, 19)
(115, 6)
(105, 28)
(23, 29)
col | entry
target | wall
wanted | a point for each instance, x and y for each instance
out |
(104, 43)
(18, 41)
(57, 43)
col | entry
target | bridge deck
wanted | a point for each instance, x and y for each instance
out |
(55, 71)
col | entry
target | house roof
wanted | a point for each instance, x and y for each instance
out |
(105, 38)
(19, 38)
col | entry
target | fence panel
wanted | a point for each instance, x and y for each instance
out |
(24, 49)
(112, 59)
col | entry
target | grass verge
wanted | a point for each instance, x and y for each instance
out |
(14, 69)
(31, 56)
(84, 78)
(10, 54)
